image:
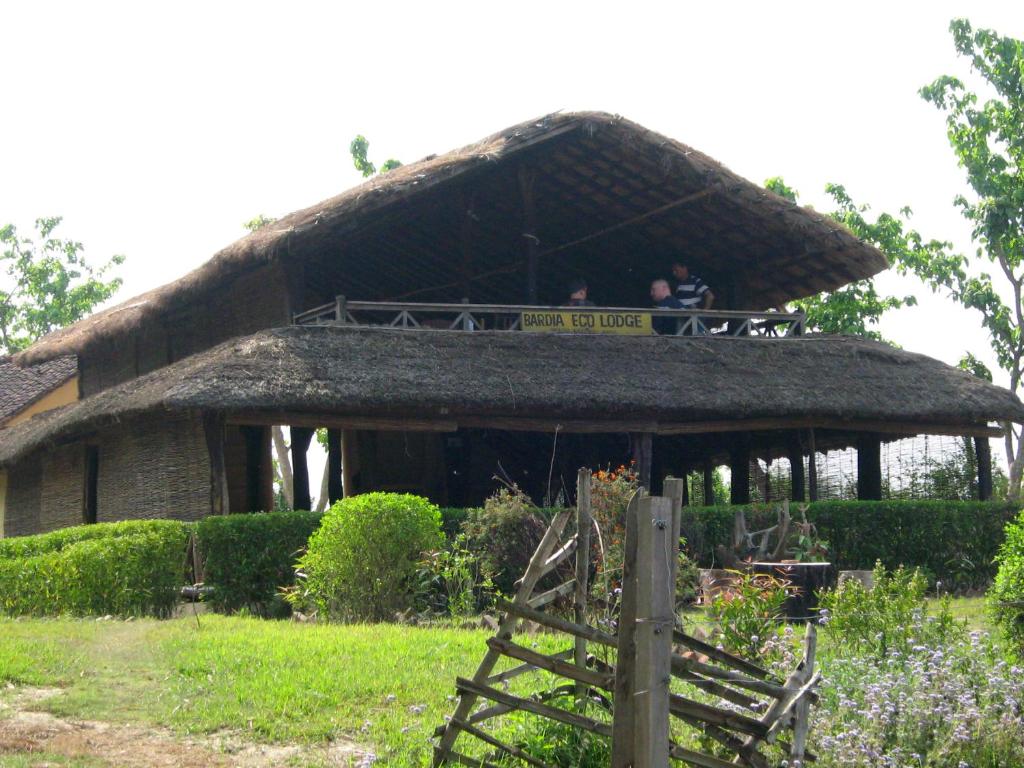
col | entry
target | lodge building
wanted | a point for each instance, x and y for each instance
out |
(415, 318)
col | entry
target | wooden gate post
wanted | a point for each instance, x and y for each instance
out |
(640, 728)
(654, 622)
(583, 525)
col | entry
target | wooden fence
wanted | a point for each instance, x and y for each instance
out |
(632, 702)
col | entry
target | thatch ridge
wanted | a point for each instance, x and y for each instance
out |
(347, 371)
(272, 242)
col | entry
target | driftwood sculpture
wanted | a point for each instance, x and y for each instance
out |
(659, 672)
(753, 546)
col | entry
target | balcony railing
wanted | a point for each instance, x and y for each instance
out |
(522, 317)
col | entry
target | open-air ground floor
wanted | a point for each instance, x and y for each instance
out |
(450, 415)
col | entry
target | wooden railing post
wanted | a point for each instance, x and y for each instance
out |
(340, 310)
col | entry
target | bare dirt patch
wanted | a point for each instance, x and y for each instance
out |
(24, 730)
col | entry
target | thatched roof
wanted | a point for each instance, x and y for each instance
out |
(21, 387)
(615, 203)
(471, 378)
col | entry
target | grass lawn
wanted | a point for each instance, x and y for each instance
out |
(383, 686)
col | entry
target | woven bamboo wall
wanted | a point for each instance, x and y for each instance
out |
(153, 468)
(62, 488)
(24, 495)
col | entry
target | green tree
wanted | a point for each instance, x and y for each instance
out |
(854, 308)
(359, 149)
(46, 283)
(987, 138)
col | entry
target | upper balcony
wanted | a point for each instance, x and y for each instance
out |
(631, 321)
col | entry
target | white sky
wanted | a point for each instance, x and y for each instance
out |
(156, 130)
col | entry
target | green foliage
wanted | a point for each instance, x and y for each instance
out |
(54, 541)
(248, 559)
(133, 572)
(362, 562)
(988, 141)
(890, 616)
(505, 533)
(46, 283)
(556, 744)
(359, 148)
(258, 221)
(748, 611)
(1006, 598)
(954, 542)
(455, 581)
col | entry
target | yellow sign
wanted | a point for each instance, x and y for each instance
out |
(571, 321)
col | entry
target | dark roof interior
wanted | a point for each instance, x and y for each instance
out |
(613, 202)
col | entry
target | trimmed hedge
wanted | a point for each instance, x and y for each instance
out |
(54, 541)
(110, 569)
(954, 542)
(247, 558)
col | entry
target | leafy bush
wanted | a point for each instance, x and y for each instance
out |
(505, 534)
(1006, 598)
(890, 616)
(454, 581)
(123, 575)
(362, 562)
(248, 558)
(952, 541)
(748, 612)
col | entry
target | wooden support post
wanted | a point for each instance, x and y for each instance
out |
(532, 242)
(213, 427)
(869, 467)
(625, 666)
(584, 522)
(641, 448)
(334, 485)
(257, 474)
(686, 488)
(739, 467)
(812, 466)
(301, 438)
(795, 454)
(348, 457)
(709, 484)
(654, 622)
(983, 454)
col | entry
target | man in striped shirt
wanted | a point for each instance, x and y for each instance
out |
(691, 290)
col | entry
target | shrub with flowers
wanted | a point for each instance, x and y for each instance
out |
(890, 615)
(610, 492)
(952, 704)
